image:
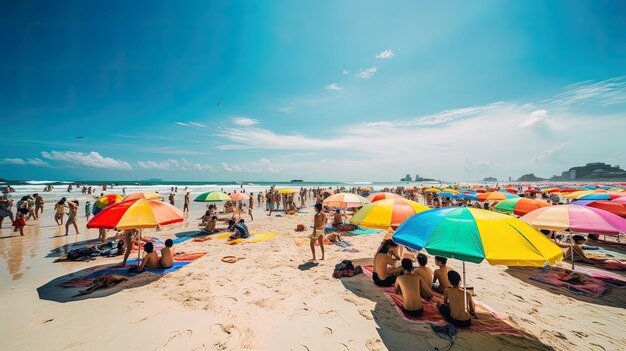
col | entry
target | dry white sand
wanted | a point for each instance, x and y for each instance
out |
(265, 302)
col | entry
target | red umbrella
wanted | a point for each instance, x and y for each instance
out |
(620, 199)
(239, 197)
(532, 191)
(511, 190)
(610, 206)
(382, 196)
(136, 214)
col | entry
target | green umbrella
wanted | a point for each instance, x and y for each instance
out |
(212, 196)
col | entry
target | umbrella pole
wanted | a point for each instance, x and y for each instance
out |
(139, 248)
(571, 249)
(464, 289)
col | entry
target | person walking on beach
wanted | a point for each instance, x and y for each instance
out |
(186, 204)
(60, 211)
(88, 209)
(5, 209)
(38, 203)
(71, 216)
(172, 199)
(319, 220)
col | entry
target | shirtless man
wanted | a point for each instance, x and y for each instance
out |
(337, 217)
(60, 211)
(427, 276)
(167, 254)
(409, 285)
(453, 307)
(441, 274)
(578, 253)
(210, 225)
(71, 216)
(386, 258)
(151, 260)
(319, 220)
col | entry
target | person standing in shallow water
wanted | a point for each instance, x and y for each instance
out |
(186, 204)
(71, 217)
(59, 209)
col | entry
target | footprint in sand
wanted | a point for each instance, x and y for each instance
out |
(366, 314)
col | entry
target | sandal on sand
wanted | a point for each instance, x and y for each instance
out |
(230, 259)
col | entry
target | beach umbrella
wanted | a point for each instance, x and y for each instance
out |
(449, 190)
(385, 214)
(345, 200)
(518, 206)
(432, 190)
(136, 214)
(328, 191)
(511, 190)
(382, 196)
(286, 191)
(366, 190)
(447, 194)
(143, 195)
(474, 235)
(548, 190)
(579, 219)
(499, 196)
(532, 191)
(239, 197)
(610, 206)
(469, 196)
(620, 199)
(105, 201)
(212, 196)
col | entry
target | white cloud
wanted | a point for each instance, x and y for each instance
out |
(345, 71)
(385, 54)
(90, 160)
(333, 86)
(245, 121)
(550, 155)
(288, 108)
(366, 73)
(607, 92)
(535, 117)
(175, 165)
(191, 124)
(263, 165)
(24, 162)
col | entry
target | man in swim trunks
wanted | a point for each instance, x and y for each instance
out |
(71, 216)
(441, 274)
(409, 285)
(167, 254)
(319, 220)
(453, 306)
(151, 260)
(186, 204)
(385, 273)
(427, 276)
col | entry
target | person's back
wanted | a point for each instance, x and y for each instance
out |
(427, 276)
(454, 302)
(441, 274)
(151, 260)
(337, 219)
(167, 254)
(409, 285)
(382, 275)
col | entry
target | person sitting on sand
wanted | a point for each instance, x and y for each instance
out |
(441, 274)
(384, 275)
(211, 224)
(240, 230)
(427, 276)
(337, 218)
(409, 285)
(319, 221)
(579, 254)
(150, 261)
(167, 254)
(453, 306)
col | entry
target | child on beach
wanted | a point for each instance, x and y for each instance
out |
(453, 306)
(441, 274)
(88, 209)
(167, 254)
(71, 216)
(150, 261)
(20, 221)
(319, 220)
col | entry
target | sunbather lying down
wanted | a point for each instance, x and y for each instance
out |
(103, 282)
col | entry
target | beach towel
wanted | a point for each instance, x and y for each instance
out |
(180, 260)
(490, 321)
(613, 280)
(199, 236)
(589, 286)
(343, 243)
(613, 265)
(254, 237)
(364, 231)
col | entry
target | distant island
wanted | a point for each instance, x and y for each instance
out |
(594, 171)
(490, 179)
(417, 179)
(530, 177)
(297, 181)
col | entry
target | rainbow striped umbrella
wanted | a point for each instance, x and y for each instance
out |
(385, 214)
(143, 195)
(579, 219)
(136, 214)
(518, 206)
(105, 201)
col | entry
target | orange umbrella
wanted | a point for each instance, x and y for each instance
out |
(382, 196)
(610, 206)
(385, 214)
(239, 197)
(136, 214)
(328, 191)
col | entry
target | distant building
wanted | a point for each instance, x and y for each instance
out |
(407, 178)
(592, 171)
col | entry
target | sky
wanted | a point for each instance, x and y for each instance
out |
(313, 90)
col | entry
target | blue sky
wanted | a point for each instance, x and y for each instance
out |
(322, 90)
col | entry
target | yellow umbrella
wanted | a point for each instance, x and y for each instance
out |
(143, 195)
(385, 214)
(433, 190)
(448, 190)
(286, 191)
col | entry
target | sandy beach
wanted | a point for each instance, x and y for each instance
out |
(270, 299)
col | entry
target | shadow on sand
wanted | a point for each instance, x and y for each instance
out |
(51, 291)
(64, 249)
(614, 297)
(398, 334)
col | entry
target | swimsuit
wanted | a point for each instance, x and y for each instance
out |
(387, 282)
(445, 311)
(71, 219)
(415, 313)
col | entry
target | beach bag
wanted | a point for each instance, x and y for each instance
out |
(82, 254)
(300, 228)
